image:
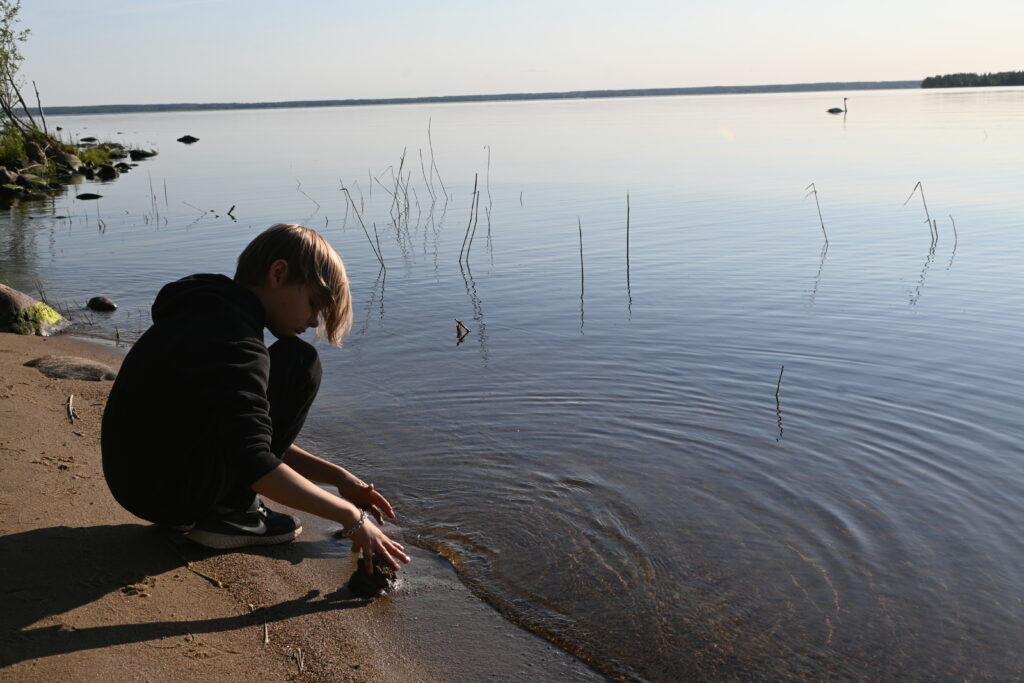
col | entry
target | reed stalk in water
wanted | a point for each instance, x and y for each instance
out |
(433, 163)
(814, 190)
(932, 227)
(366, 232)
(470, 224)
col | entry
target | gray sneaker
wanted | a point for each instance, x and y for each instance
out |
(256, 526)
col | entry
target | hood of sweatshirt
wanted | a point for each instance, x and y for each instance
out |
(207, 293)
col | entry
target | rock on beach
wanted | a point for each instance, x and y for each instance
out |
(21, 314)
(72, 367)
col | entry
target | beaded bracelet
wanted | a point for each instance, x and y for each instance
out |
(347, 533)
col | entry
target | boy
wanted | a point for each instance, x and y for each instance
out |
(202, 416)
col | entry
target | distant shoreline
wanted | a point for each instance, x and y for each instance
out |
(508, 97)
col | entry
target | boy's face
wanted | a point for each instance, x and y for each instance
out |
(289, 307)
(290, 310)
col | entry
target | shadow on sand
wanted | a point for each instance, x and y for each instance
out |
(48, 572)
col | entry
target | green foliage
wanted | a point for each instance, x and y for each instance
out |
(97, 156)
(12, 147)
(10, 53)
(971, 80)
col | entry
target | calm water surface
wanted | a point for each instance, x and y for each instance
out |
(609, 457)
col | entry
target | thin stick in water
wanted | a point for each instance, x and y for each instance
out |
(927, 216)
(363, 225)
(814, 190)
(476, 218)
(39, 104)
(433, 163)
(470, 224)
(778, 385)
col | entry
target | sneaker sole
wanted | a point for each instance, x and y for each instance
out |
(227, 541)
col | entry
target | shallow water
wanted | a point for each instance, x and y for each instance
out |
(611, 459)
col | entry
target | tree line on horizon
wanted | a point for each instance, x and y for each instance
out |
(971, 80)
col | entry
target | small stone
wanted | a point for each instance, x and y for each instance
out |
(365, 585)
(72, 367)
(188, 139)
(87, 196)
(101, 303)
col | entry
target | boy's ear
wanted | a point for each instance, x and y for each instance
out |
(277, 274)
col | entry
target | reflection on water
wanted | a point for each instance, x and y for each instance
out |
(782, 457)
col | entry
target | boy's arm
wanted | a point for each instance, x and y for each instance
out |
(287, 487)
(351, 487)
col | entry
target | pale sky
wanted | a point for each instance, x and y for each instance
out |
(162, 51)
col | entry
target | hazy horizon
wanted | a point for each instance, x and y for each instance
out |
(851, 86)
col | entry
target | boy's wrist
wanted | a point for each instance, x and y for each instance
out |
(350, 516)
(351, 529)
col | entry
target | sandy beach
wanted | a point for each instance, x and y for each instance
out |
(92, 593)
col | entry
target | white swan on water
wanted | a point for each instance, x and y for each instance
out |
(837, 110)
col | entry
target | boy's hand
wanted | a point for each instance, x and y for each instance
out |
(372, 541)
(366, 497)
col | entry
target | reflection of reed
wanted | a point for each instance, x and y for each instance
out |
(778, 403)
(579, 225)
(382, 276)
(955, 241)
(629, 291)
(821, 267)
(478, 309)
(924, 273)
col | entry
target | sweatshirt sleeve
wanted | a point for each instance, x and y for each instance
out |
(232, 377)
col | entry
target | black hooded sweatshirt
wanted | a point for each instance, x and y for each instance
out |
(190, 401)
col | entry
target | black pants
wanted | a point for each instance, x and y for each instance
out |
(294, 381)
(188, 490)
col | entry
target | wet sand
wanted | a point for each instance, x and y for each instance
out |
(92, 593)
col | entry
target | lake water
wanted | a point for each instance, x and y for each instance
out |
(609, 455)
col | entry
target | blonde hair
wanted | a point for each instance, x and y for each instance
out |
(312, 262)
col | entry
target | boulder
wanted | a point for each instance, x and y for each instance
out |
(72, 367)
(65, 159)
(137, 154)
(35, 152)
(32, 181)
(106, 172)
(87, 139)
(21, 314)
(188, 139)
(115, 151)
(101, 303)
(87, 196)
